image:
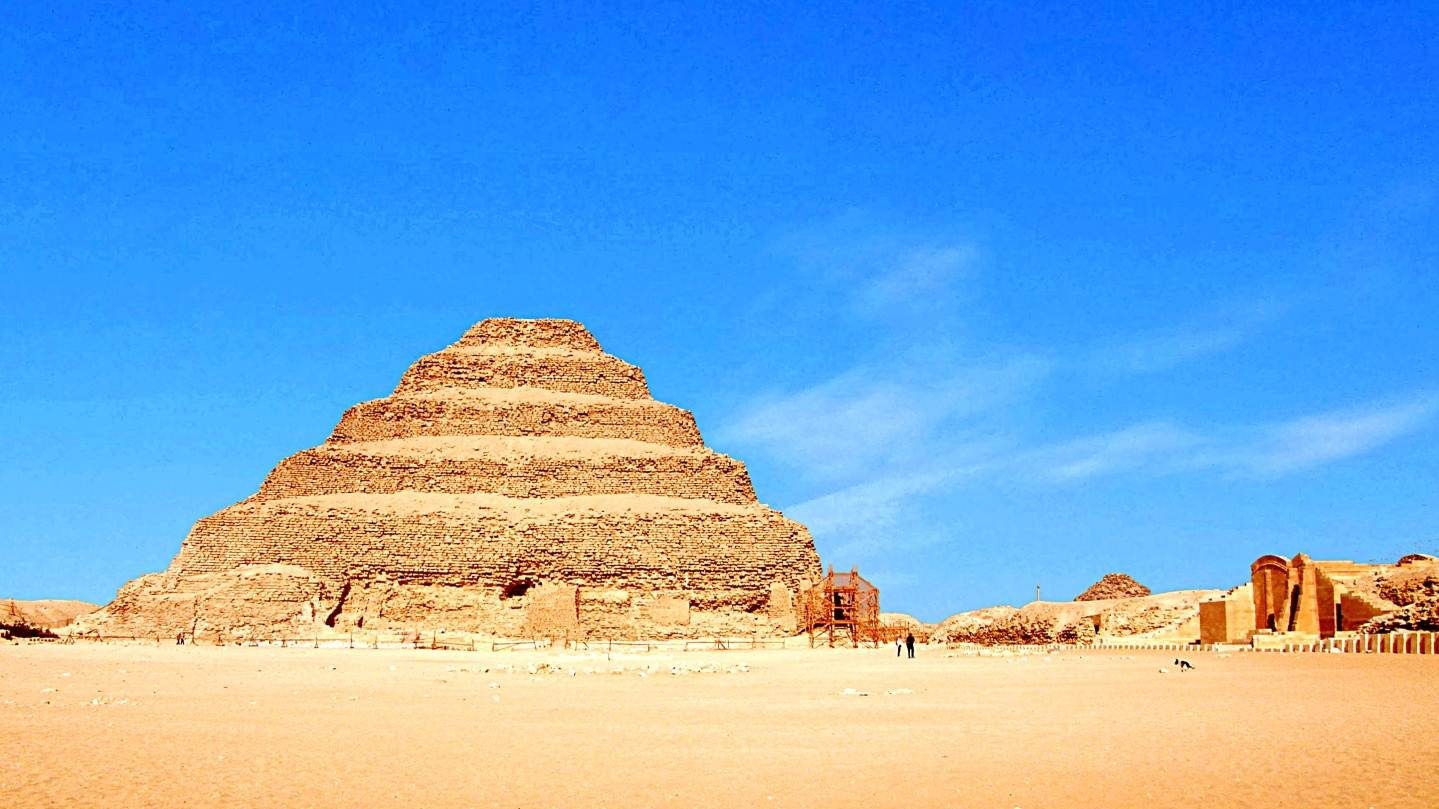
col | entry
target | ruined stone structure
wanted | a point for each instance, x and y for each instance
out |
(1305, 598)
(1171, 617)
(521, 482)
(32, 618)
(1113, 585)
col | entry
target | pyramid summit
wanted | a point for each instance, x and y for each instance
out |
(518, 482)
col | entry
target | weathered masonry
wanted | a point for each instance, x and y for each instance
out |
(520, 482)
(1301, 598)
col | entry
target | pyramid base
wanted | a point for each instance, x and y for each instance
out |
(260, 602)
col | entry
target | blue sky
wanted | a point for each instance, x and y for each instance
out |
(988, 295)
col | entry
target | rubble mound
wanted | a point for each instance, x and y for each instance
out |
(1412, 586)
(45, 614)
(24, 619)
(1113, 585)
(1165, 615)
(989, 625)
(902, 619)
(520, 482)
(1414, 579)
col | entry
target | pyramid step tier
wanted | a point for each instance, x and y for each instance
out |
(542, 333)
(519, 412)
(514, 467)
(549, 369)
(609, 541)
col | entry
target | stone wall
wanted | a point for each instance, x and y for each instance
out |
(594, 374)
(484, 465)
(1229, 619)
(517, 413)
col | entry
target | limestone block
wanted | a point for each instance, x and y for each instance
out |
(781, 607)
(668, 610)
(516, 467)
(532, 412)
(549, 369)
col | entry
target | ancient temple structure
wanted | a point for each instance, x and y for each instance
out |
(1299, 597)
(520, 482)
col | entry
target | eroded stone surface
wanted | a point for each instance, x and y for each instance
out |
(520, 482)
(1113, 585)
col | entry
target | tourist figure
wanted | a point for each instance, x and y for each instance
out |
(898, 646)
(909, 643)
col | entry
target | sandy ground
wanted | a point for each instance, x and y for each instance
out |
(122, 726)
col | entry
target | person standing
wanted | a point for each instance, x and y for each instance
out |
(898, 646)
(909, 643)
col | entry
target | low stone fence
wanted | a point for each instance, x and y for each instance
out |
(1165, 646)
(1414, 643)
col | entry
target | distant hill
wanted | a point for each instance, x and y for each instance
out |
(22, 618)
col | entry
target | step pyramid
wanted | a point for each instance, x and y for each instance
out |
(519, 482)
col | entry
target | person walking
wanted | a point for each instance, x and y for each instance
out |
(909, 643)
(898, 647)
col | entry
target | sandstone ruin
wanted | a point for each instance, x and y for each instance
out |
(1303, 598)
(1113, 585)
(520, 483)
(1163, 617)
(30, 618)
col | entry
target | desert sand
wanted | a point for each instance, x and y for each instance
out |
(120, 726)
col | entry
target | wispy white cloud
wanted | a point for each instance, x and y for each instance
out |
(918, 274)
(1241, 451)
(1160, 352)
(870, 503)
(1137, 447)
(1315, 440)
(883, 511)
(876, 514)
(868, 421)
(1169, 348)
(881, 268)
(881, 444)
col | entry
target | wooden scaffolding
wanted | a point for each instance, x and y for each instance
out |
(843, 606)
